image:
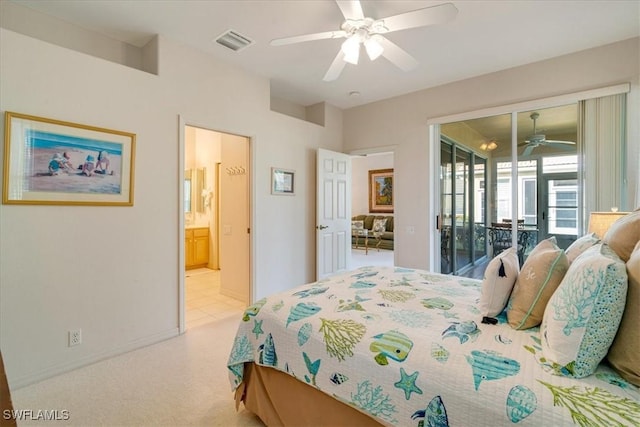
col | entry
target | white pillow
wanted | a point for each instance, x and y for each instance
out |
(379, 225)
(582, 317)
(498, 281)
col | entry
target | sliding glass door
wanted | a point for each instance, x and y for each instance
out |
(482, 197)
(463, 204)
(569, 162)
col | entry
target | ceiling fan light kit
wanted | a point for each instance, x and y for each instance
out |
(489, 145)
(360, 30)
(373, 47)
(351, 50)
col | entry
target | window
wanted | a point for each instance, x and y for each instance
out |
(529, 208)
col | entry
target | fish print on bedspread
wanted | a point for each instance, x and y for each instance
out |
(463, 331)
(254, 309)
(435, 415)
(437, 303)
(489, 365)
(305, 293)
(521, 402)
(439, 353)
(302, 310)
(391, 344)
(304, 334)
(267, 352)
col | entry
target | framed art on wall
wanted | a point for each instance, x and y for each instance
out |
(282, 181)
(52, 162)
(381, 191)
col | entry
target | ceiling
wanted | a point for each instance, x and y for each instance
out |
(558, 123)
(484, 37)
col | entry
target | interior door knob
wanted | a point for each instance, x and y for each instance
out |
(322, 227)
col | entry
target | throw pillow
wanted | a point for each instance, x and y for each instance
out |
(497, 284)
(357, 225)
(581, 245)
(539, 277)
(623, 354)
(583, 315)
(379, 225)
(623, 234)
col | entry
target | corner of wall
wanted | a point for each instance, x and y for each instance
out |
(150, 56)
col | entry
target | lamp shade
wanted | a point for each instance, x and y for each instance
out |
(599, 222)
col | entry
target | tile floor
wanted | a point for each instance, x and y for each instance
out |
(203, 300)
(205, 304)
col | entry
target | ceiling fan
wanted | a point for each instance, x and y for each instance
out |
(539, 139)
(359, 30)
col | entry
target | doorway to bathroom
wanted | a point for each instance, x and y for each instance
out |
(216, 208)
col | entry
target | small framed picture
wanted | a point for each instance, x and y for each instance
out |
(282, 181)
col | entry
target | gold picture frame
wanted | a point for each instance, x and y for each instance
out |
(53, 162)
(381, 191)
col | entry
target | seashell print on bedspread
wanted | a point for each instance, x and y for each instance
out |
(408, 348)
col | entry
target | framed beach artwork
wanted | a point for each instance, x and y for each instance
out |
(51, 162)
(282, 181)
(381, 191)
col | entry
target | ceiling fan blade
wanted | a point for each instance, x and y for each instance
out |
(527, 151)
(308, 37)
(351, 9)
(553, 141)
(396, 55)
(335, 68)
(421, 17)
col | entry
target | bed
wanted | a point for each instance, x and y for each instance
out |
(398, 346)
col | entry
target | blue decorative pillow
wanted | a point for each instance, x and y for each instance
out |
(582, 317)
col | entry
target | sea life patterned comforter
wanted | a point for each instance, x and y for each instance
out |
(408, 348)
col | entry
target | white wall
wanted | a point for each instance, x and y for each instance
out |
(360, 167)
(114, 271)
(404, 120)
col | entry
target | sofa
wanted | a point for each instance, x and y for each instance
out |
(386, 240)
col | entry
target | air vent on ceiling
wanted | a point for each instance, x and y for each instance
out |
(233, 40)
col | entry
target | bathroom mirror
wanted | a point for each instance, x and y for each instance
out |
(199, 185)
(188, 188)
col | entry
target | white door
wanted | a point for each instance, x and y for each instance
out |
(333, 213)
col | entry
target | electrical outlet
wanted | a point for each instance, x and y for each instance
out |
(75, 337)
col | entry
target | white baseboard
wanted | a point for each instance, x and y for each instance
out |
(52, 371)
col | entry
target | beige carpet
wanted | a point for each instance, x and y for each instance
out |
(181, 381)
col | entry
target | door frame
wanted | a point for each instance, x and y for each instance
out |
(386, 149)
(182, 123)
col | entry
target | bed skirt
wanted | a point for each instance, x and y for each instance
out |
(281, 400)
